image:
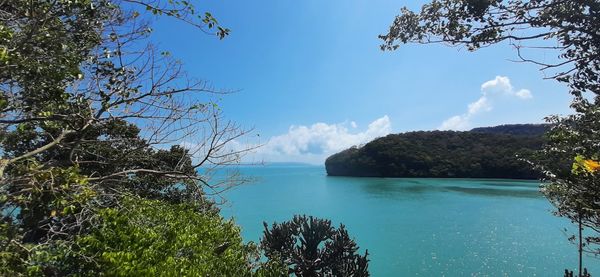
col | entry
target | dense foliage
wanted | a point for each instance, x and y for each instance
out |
(311, 247)
(440, 154)
(149, 238)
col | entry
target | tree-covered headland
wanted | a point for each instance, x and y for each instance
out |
(494, 152)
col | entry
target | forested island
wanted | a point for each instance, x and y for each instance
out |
(490, 152)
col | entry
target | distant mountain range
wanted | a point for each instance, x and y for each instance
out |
(286, 164)
(488, 152)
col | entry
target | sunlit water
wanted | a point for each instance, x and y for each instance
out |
(424, 227)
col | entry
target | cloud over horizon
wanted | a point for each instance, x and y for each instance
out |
(314, 143)
(490, 91)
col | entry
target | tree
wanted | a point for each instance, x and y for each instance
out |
(91, 114)
(313, 247)
(574, 189)
(566, 28)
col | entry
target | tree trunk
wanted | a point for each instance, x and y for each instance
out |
(580, 249)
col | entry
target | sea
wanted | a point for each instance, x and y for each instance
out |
(417, 226)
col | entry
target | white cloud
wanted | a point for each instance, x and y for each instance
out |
(457, 122)
(314, 143)
(524, 94)
(501, 86)
(481, 105)
(490, 90)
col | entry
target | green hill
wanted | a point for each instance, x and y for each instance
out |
(481, 153)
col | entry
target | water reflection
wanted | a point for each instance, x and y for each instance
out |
(527, 193)
(422, 188)
(511, 183)
(396, 191)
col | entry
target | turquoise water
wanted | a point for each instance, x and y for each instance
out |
(418, 227)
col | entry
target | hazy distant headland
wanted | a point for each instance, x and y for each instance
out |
(489, 152)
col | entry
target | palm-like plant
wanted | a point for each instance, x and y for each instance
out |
(310, 246)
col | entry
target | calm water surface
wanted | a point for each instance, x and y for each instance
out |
(418, 227)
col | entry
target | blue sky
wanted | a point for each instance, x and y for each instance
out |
(312, 78)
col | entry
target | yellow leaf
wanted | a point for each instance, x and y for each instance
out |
(591, 165)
